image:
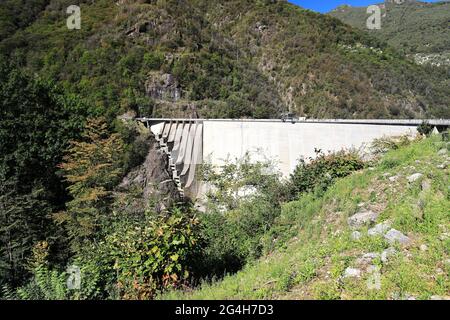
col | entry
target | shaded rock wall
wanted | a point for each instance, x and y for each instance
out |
(149, 186)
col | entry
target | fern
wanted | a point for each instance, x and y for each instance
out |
(7, 293)
(46, 285)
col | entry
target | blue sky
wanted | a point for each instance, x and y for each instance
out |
(327, 5)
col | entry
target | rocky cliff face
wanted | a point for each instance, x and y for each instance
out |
(163, 87)
(149, 186)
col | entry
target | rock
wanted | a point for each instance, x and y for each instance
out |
(152, 180)
(414, 177)
(394, 178)
(442, 166)
(374, 279)
(356, 235)
(163, 86)
(352, 273)
(386, 254)
(423, 247)
(393, 236)
(367, 258)
(439, 298)
(444, 236)
(379, 230)
(426, 185)
(127, 116)
(361, 218)
(442, 152)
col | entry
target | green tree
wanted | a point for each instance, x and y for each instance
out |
(37, 120)
(92, 167)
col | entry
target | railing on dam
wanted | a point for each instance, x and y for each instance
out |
(406, 122)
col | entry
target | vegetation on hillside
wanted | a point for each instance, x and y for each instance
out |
(412, 27)
(63, 150)
(232, 59)
(316, 255)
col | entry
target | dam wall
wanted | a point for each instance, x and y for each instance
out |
(190, 142)
(286, 143)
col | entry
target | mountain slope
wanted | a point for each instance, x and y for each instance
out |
(413, 27)
(224, 59)
(325, 260)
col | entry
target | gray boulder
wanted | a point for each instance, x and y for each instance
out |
(361, 218)
(442, 152)
(442, 166)
(356, 235)
(413, 178)
(393, 236)
(394, 178)
(368, 258)
(388, 253)
(426, 185)
(352, 273)
(379, 230)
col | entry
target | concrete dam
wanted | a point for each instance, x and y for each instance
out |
(189, 143)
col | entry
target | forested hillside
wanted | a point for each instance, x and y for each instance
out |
(223, 59)
(413, 27)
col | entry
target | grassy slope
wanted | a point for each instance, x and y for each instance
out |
(311, 265)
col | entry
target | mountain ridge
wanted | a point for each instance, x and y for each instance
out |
(413, 27)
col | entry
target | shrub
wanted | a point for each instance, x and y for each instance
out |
(234, 238)
(240, 180)
(154, 60)
(152, 256)
(425, 128)
(320, 173)
(243, 202)
(45, 284)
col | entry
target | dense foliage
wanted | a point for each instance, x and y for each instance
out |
(37, 121)
(242, 205)
(409, 26)
(223, 59)
(320, 172)
(92, 167)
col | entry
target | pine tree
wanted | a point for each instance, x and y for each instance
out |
(92, 167)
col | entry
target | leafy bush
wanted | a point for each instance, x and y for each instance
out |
(243, 202)
(240, 180)
(153, 256)
(92, 166)
(234, 238)
(425, 128)
(45, 284)
(154, 60)
(320, 173)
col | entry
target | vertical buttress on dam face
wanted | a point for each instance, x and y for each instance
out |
(182, 142)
